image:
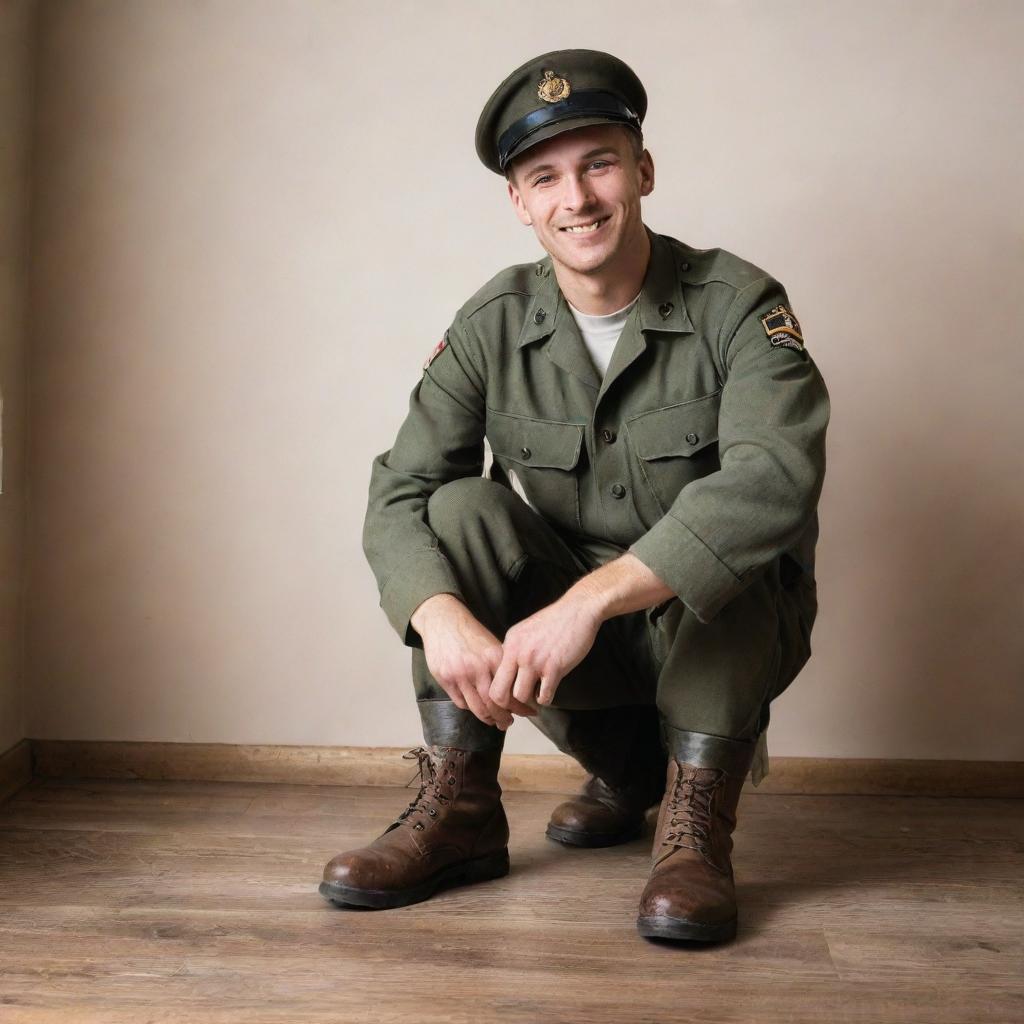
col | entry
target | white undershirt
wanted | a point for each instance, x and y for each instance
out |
(600, 333)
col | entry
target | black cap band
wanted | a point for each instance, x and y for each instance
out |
(591, 103)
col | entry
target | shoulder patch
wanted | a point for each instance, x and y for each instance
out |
(438, 349)
(783, 328)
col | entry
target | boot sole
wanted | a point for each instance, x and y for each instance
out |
(483, 869)
(572, 837)
(685, 931)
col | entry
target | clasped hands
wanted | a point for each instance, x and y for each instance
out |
(498, 679)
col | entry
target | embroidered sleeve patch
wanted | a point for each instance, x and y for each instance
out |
(783, 328)
(438, 349)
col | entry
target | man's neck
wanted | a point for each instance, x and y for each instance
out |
(611, 288)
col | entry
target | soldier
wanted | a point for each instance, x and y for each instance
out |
(636, 573)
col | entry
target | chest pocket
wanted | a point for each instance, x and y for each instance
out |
(675, 446)
(544, 455)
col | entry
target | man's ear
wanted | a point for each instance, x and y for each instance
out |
(520, 206)
(646, 167)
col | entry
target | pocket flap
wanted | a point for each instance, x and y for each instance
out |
(546, 444)
(683, 429)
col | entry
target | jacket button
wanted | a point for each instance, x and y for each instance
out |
(665, 309)
(618, 491)
(526, 453)
(538, 317)
(608, 436)
(692, 438)
(684, 266)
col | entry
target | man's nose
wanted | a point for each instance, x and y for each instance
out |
(576, 194)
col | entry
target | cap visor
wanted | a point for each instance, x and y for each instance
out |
(549, 131)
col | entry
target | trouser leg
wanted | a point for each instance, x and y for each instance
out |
(617, 744)
(509, 563)
(714, 678)
(447, 725)
(719, 678)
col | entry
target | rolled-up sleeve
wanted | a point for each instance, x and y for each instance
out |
(724, 527)
(440, 440)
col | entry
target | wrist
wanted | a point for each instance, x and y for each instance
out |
(428, 611)
(592, 598)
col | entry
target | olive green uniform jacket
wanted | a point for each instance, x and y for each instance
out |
(702, 451)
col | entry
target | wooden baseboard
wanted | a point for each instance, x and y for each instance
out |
(317, 766)
(15, 769)
(384, 766)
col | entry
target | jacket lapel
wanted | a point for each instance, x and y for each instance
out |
(659, 308)
(549, 317)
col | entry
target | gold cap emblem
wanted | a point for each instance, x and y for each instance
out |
(552, 88)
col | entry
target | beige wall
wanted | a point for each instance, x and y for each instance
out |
(15, 110)
(255, 219)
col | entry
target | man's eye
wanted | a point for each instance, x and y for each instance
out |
(543, 179)
(599, 163)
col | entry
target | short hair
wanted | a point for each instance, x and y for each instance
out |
(636, 145)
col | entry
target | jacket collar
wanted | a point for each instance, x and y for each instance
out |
(661, 305)
(661, 301)
(659, 308)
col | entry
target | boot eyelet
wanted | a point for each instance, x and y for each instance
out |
(451, 780)
(432, 812)
(419, 825)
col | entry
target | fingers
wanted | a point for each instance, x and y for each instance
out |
(473, 695)
(501, 685)
(476, 705)
(525, 684)
(548, 685)
(480, 681)
(454, 694)
(508, 692)
(502, 718)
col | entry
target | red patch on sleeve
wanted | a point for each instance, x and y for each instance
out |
(438, 349)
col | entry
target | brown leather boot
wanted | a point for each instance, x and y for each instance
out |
(622, 751)
(691, 894)
(453, 833)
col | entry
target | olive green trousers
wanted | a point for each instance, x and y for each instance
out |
(714, 678)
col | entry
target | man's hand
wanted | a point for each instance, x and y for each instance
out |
(544, 648)
(549, 644)
(463, 655)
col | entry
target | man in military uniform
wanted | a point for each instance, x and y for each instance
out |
(636, 573)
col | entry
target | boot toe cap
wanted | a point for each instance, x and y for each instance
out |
(359, 869)
(343, 869)
(705, 901)
(571, 815)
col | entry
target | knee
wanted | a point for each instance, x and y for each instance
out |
(456, 505)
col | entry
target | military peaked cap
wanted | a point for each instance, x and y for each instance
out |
(554, 93)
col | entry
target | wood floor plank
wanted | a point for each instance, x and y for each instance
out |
(257, 988)
(178, 901)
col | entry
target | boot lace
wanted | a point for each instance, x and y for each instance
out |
(690, 812)
(431, 782)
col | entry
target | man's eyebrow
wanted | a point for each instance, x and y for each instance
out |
(589, 155)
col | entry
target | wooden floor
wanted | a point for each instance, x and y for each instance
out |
(164, 901)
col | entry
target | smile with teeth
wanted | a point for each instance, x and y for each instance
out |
(582, 229)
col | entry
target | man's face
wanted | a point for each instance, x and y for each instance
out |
(580, 192)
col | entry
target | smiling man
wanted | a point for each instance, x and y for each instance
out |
(636, 573)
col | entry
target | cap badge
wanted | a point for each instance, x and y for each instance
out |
(552, 88)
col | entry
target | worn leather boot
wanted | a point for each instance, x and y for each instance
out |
(454, 831)
(691, 894)
(622, 751)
